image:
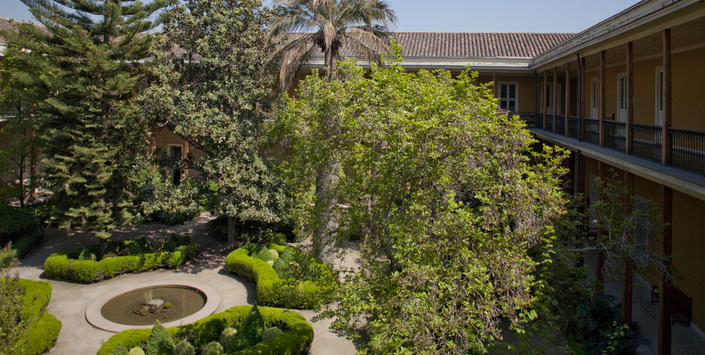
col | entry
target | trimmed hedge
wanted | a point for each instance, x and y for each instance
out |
(295, 340)
(68, 266)
(273, 291)
(43, 330)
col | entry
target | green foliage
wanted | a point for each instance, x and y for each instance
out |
(163, 202)
(85, 255)
(42, 328)
(184, 348)
(227, 335)
(296, 339)
(137, 351)
(92, 134)
(217, 106)
(160, 341)
(271, 332)
(212, 348)
(13, 325)
(446, 193)
(20, 227)
(252, 326)
(67, 266)
(120, 350)
(312, 290)
(253, 231)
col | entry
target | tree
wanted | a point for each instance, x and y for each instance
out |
(21, 93)
(361, 25)
(445, 194)
(93, 135)
(215, 97)
(358, 24)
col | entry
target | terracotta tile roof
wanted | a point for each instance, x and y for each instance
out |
(488, 45)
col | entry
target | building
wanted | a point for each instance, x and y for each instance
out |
(626, 94)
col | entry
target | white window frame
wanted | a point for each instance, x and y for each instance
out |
(508, 99)
(659, 96)
(594, 98)
(622, 97)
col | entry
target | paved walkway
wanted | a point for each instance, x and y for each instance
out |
(69, 300)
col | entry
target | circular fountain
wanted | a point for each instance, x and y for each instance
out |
(172, 303)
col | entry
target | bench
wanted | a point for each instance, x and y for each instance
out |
(681, 305)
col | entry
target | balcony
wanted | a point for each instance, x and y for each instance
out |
(686, 148)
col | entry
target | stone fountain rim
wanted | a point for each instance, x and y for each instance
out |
(95, 317)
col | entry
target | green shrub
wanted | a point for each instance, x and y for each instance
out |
(272, 290)
(252, 231)
(44, 328)
(252, 327)
(271, 332)
(120, 350)
(212, 348)
(67, 266)
(297, 337)
(160, 341)
(184, 348)
(227, 335)
(21, 228)
(136, 351)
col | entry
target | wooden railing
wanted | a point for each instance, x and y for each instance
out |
(687, 150)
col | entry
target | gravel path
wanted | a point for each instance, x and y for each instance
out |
(69, 300)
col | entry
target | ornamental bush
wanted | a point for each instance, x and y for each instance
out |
(21, 228)
(44, 328)
(67, 266)
(296, 337)
(272, 290)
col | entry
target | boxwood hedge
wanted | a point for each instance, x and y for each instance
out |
(43, 329)
(69, 266)
(296, 339)
(273, 291)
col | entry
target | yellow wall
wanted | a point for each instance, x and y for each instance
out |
(688, 251)
(527, 89)
(689, 90)
(163, 138)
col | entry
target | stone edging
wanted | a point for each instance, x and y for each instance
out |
(95, 318)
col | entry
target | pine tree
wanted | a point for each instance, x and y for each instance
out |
(216, 97)
(96, 55)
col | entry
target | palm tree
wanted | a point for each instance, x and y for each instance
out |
(328, 26)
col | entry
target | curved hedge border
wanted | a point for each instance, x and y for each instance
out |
(273, 291)
(43, 330)
(296, 340)
(65, 266)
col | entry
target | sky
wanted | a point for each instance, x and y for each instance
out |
(467, 15)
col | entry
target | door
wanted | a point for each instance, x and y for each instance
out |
(594, 99)
(660, 96)
(622, 97)
(176, 151)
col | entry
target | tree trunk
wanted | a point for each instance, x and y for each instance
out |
(231, 230)
(101, 249)
(327, 221)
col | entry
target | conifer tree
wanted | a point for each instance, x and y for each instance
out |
(96, 54)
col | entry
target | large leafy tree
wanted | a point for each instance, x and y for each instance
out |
(446, 196)
(360, 25)
(93, 136)
(212, 93)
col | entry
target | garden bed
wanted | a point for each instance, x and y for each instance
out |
(295, 337)
(43, 328)
(294, 281)
(128, 256)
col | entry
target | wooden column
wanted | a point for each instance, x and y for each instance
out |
(494, 85)
(554, 96)
(602, 98)
(628, 277)
(567, 97)
(664, 305)
(543, 95)
(666, 151)
(581, 93)
(630, 96)
(186, 151)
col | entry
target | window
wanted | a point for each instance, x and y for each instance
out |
(660, 96)
(548, 98)
(508, 96)
(622, 97)
(594, 99)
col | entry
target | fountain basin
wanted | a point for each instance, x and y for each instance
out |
(118, 310)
